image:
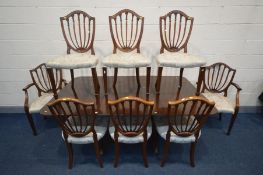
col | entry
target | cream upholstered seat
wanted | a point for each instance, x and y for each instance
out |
(40, 102)
(175, 31)
(183, 123)
(222, 103)
(126, 60)
(41, 82)
(130, 140)
(213, 83)
(126, 28)
(100, 131)
(73, 61)
(162, 131)
(81, 43)
(179, 60)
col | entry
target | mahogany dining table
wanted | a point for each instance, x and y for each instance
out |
(83, 89)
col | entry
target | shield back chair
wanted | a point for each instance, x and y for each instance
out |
(41, 82)
(126, 28)
(214, 82)
(175, 31)
(78, 30)
(185, 117)
(77, 120)
(130, 118)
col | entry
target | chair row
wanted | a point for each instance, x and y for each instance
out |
(131, 122)
(214, 82)
(126, 28)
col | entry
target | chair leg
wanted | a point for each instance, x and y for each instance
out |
(31, 122)
(192, 154)
(52, 82)
(220, 116)
(144, 152)
(70, 154)
(117, 154)
(105, 77)
(72, 77)
(166, 149)
(233, 118)
(148, 79)
(181, 77)
(115, 76)
(138, 77)
(95, 80)
(159, 78)
(97, 151)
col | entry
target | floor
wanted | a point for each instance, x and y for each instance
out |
(216, 153)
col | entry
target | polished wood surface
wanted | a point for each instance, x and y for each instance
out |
(127, 86)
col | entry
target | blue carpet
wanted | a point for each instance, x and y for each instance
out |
(216, 153)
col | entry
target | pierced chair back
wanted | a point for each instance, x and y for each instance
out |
(188, 115)
(130, 115)
(217, 78)
(175, 31)
(79, 31)
(75, 117)
(126, 29)
(41, 79)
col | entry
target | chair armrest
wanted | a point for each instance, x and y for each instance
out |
(237, 95)
(236, 86)
(28, 86)
(26, 105)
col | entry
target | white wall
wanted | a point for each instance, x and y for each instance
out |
(229, 31)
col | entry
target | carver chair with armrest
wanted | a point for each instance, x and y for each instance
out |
(77, 120)
(130, 118)
(41, 82)
(186, 117)
(126, 29)
(213, 83)
(79, 32)
(175, 31)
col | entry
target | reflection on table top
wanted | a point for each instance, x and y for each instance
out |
(127, 86)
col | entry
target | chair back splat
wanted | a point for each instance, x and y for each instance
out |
(217, 77)
(188, 115)
(76, 118)
(79, 31)
(41, 79)
(175, 31)
(126, 29)
(130, 115)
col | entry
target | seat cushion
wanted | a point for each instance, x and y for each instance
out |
(179, 60)
(100, 130)
(126, 60)
(40, 102)
(222, 103)
(136, 139)
(162, 131)
(73, 61)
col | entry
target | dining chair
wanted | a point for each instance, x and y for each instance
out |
(126, 28)
(79, 125)
(213, 83)
(175, 31)
(185, 119)
(78, 30)
(41, 83)
(130, 118)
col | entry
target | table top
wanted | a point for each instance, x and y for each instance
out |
(127, 86)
